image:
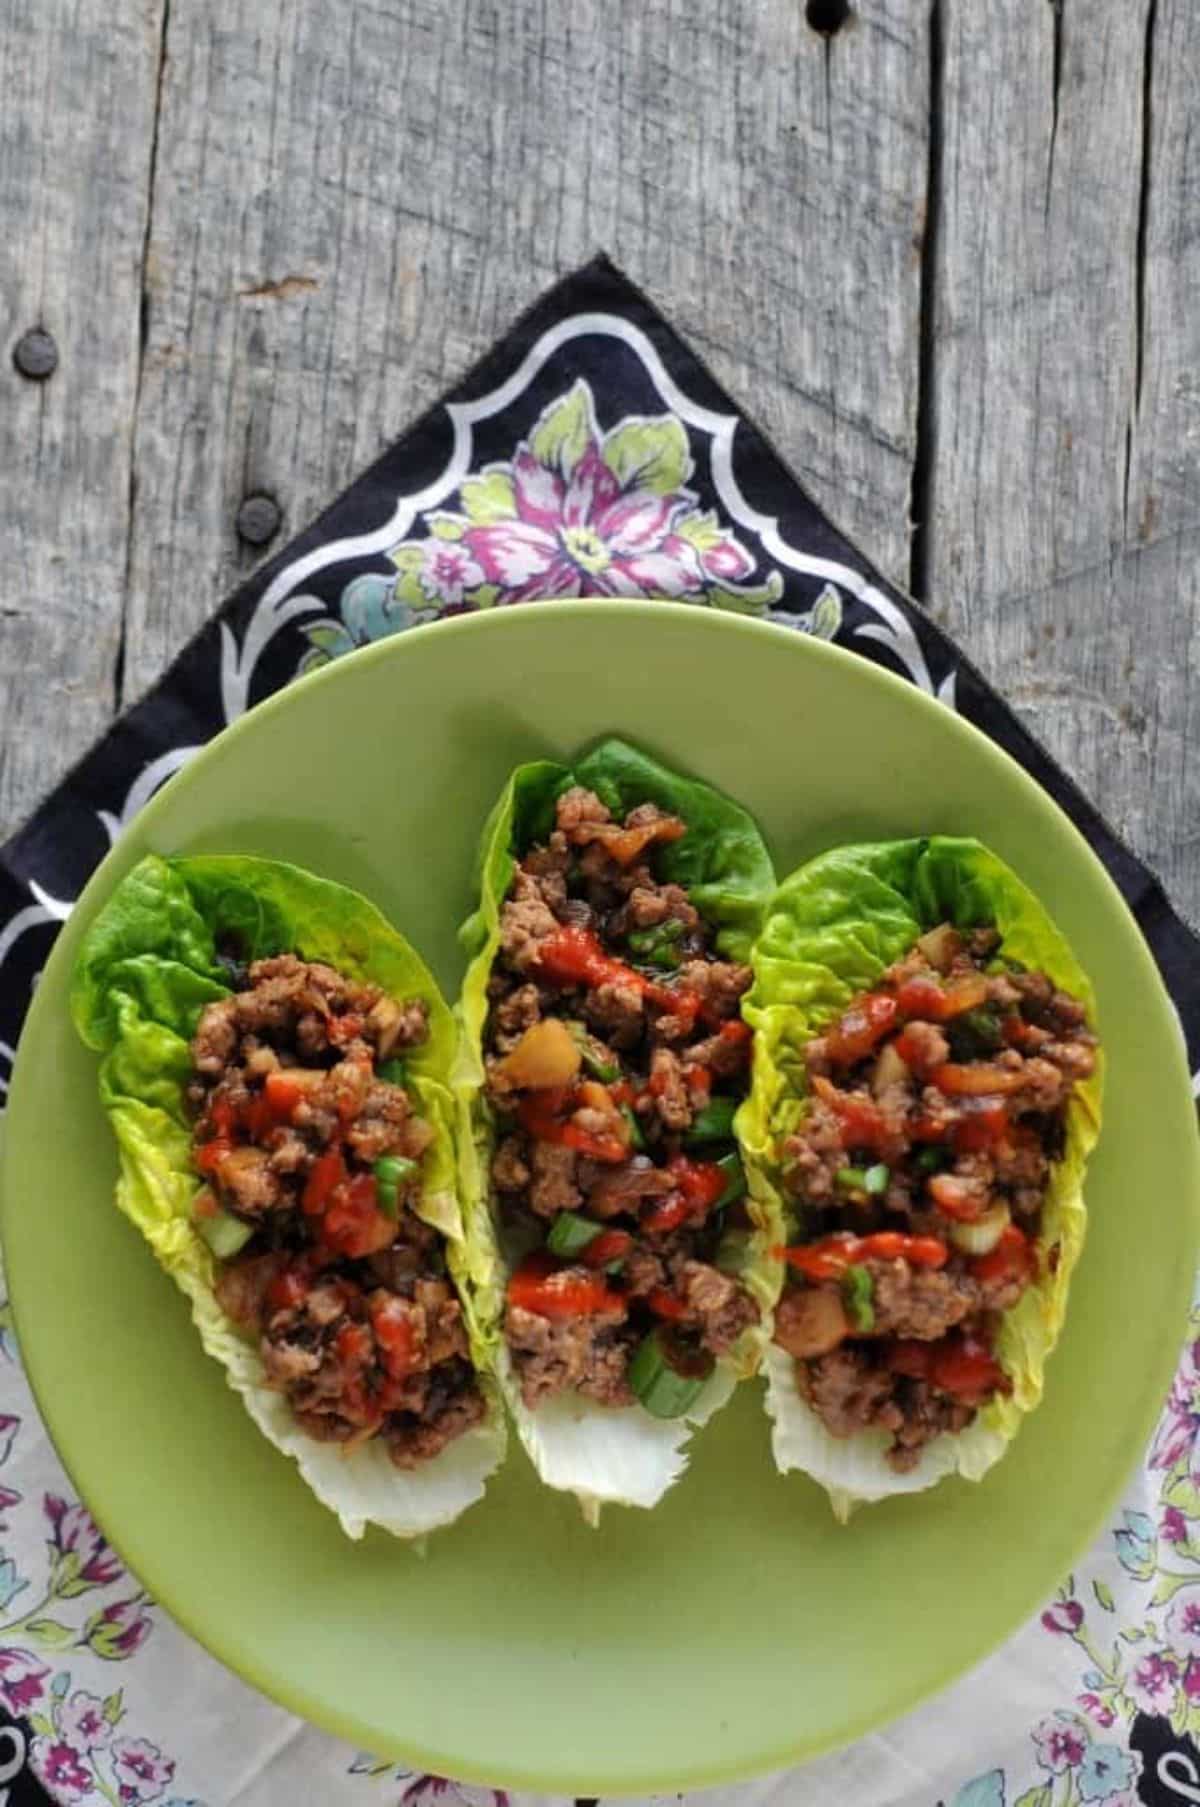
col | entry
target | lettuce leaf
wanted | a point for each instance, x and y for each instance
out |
(624, 1457)
(830, 931)
(147, 967)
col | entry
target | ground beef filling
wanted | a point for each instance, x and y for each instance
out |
(615, 1056)
(938, 1105)
(307, 1137)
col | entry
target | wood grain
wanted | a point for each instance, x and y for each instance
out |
(1062, 496)
(77, 118)
(344, 220)
(326, 227)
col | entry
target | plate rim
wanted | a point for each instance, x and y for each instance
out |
(1156, 1376)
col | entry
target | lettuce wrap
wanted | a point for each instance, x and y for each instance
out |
(603, 1453)
(829, 933)
(147, 968)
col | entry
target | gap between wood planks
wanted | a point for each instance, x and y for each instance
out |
(1140, 250)
(143, 341)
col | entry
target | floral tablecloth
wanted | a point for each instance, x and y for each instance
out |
(589, 454)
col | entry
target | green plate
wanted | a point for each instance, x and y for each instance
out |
(737, 1628)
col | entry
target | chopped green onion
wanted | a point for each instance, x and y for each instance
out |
(974, 1033)
(656, 946)
(931, 1160)
(980, 1236)
(858, 1293)
(713, 1122)
(644, 940)
(662, 1389)
(225, 1234)
(636, 1139)
(391, 1172)
(570, 1233)
(394, 1072)
(595, 1056)
(614, 1267)
(735, 1180)
(871, 1180)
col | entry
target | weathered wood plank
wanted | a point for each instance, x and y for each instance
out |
(343, 220)
(1062, 514)
(1162, 517)
(79, 85)
(339, 226)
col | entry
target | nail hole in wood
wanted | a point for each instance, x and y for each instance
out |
(36, 355)
(827, 16)
(258, 520)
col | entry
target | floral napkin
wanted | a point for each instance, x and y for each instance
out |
(589, 453)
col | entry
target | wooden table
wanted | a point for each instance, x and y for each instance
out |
(949, 255)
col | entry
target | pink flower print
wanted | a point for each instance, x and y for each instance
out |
(581, 514)
(1096, 1709)
(118, 1630)
(1173, 1526)
(141, 1769)
(1065, 1616)
(8, 1499)
(1060, 1743)
(1152, 1681)
(1183, 1622)
(83, 1555)
(81, 1720)
(9, 1426)
(1191, 1679)
(22, 1679)
(61, 1768)
(1175, 1441)
(448, 571)
(426, 1789)
(727, 561)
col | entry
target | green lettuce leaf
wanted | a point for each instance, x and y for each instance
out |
(830, 931)
(147, 967)
(622, 1457)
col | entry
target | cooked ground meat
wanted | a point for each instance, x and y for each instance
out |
(293, 1108)
(577, 809)
(614, 1190)
(928, 1046)
(720, 983)
(651, 904)
(553, 1187)
(927, 1413)
(216, 1037)
(643, 1271)
(722, 1308)
(593, 937)
(525, 923)
(936, 1103)
(849, 1393)
(919, 1302)
(616, 1011)
(557, 1355)
(669, 1090)
(510, 1170)
(518, 1012)
(453, 1404)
